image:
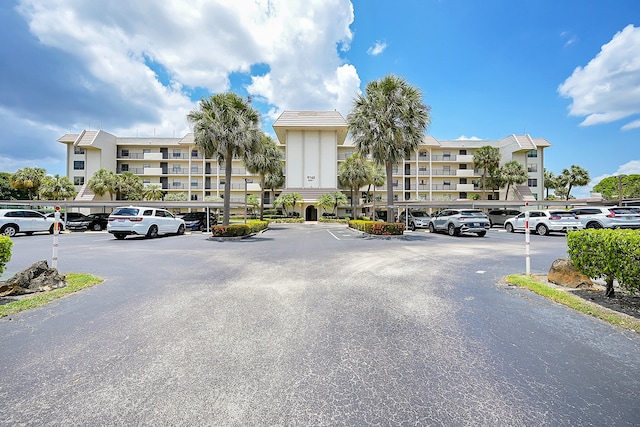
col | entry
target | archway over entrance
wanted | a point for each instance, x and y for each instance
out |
(311, 213)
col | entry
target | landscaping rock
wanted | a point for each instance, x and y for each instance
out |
(36, 278)
(564, 273)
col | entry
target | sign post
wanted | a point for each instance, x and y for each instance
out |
(527, 240)
(56, 233)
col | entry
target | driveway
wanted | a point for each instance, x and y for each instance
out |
(310, 325)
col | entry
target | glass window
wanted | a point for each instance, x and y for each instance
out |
(78, 180)
(532, 182)
(124, 153)
(146, 150)
(194, 168)
(124, 167)
(194, 182)
(78, 164)
(78, 150)
(194, 153)
(532, 167)
(532, 153)
(463, 152)
(177, 154)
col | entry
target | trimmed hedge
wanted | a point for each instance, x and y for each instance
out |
(609, 254)
(239, 230)
(333, 219)
(288, 220)
(5, 251)
(378, 228)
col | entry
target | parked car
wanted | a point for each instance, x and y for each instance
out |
(417, 219)
(14, 221)
(144, 221)
(607, 217)
(499, 216)
(198, 220)
(456, 221)
(95, 222)
(68, 216)
(544, 221)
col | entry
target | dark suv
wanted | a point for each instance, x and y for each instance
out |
(198, 220)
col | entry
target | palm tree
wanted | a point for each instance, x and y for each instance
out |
(284, 201)
(176, 197)
(550, 181)
(128, 186)
(266, 160)
(152, 192)
(575, 176)
(273, 181)
(224, 126)
(388, 122)
(486, 158)
(28, 179)
(331, 201)
(354, 173)
(56, 188)
(102, 182)
(511, 173)
(295, 199)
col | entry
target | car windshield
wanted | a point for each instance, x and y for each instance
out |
(192, 216)
(623, 211)
(472, 213)
(420, 214)
(126, 211)
(564, 214)
(80, 218)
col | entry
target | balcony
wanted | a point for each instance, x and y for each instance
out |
(152, 171)
(465, 172)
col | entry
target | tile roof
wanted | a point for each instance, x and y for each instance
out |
(311, 120)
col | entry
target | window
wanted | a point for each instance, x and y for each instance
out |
(78, 180)
(78, 165)
(146, 151)
(423, 182)
(78, 150)
(422, 154)
(532, 182)
(422, 169)
(532, 153)
(446, 183)
(463, 152)
(177, 183)
(446, 154)
(532, 167)
(177, 154)
(146, 181)
(124, 153)
(146, 166)
(446, 170)
(463, 180)
(462, 166)
(194, 197)
(124, 167)
(194, 182)
(176, 168)
(194, 153)
(462, 195)
(395, 182)
(194, 168)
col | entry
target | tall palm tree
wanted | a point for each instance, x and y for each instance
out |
(56, 188)
(226, 125)
(354, 173)
(486, 158)
(388, 122)
(152, 192)
(331, 201)
(267, 159)
(28, 179)
(103, 181)
(511, 173)
(550, 181)
(575, 176)
(273, 181)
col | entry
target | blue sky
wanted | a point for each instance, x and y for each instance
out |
(567, 71)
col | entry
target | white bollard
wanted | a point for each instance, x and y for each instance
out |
(56, 233)
(527, 243)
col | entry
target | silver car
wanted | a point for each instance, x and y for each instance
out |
(499, 216)
(417, 219)
(608, 217)
(544, 222)
(456, 221)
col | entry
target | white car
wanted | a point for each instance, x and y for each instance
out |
(607, 217)
(544, 221)
(14, 221)
(456, 221)
(143, 221)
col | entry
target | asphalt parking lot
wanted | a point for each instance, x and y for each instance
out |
(310, 325)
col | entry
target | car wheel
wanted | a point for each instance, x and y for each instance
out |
(594, 225)
(181, 230)
(9, 230)
(432, 228)
(412, 226)
(509, 227)
(118, 236)
(542, 230)
(482, 234)
(152, 232)
(203, 227)
(490, 223)
(96, 227)
(452, 230)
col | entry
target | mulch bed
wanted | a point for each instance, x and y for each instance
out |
(621, 302)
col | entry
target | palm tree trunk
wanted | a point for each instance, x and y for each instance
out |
(389, 168)
(262, 179)
(353, 205)
(226, 211)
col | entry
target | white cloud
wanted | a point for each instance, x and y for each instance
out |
(608, 87)
(377, 48)
(199, 44)
(471, 138)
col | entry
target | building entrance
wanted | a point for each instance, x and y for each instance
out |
(311, 213)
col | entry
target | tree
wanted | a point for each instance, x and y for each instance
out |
(265, 160)
(273, 181)
(388, 122)
(332, 201)
(176, 197)
(550, 181)
(56, 188)
(254, 202)
(295, 199)
(152, 192)
(354, 173)
(225, 125)
(284, 201)
(28, 179)
(575, 176)
(486, 158)
(103, 181)
(378, 178)
(513, 172)
(128, 186)
(7, 191)
(610, 187)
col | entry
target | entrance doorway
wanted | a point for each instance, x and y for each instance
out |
(311, 213)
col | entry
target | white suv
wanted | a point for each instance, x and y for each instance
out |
(607, 217)
(545, 221)
(144, 221)
(13, 221)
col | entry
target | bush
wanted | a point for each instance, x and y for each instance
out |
(288, 220)
(378, 228)
(239, 230)
(333, 219)
(609, 254)
(5, 251)
(256, 226)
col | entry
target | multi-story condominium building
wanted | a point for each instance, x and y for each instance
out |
(314, 143)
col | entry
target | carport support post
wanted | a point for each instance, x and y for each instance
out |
(527, 241)
(56, 233)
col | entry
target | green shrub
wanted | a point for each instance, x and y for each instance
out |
(5, 251)
(609, 254)
(288, 220)
(333, 219)
(233, 230)
(378, 228)
(256, 226)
